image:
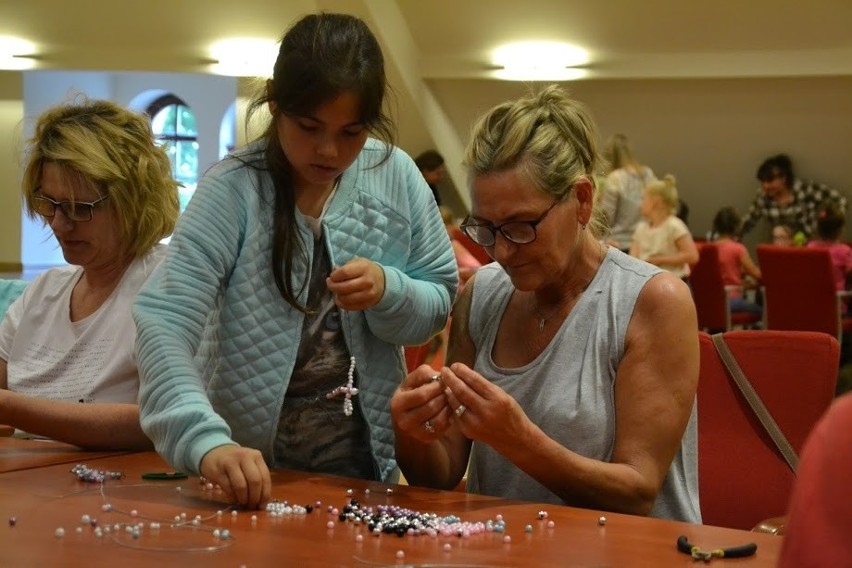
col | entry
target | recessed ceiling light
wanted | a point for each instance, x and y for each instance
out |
(244, 57)
(539, 61)
(16, 53)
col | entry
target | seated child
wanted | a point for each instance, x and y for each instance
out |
(829, 228)
(782, 235)
(661, 238)
(734, 259)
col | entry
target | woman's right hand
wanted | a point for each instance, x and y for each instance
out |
(419, 406)
(241, 473)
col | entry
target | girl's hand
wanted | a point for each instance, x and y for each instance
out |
(357, 285)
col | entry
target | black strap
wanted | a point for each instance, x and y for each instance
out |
(754, 402)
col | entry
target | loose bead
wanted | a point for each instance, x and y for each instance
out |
(542, 514)
(507, 539)
(60, 532)
(389, 491)
(359, 538)
(234, 513)
(528, 528)
(85, 519)
(12, 521)
(330, 524)
(79, 530)
(133, 512)
(550, 524)
(349, 493)
(400, 554)
(601, 520)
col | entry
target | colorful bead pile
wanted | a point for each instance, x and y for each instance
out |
(390, 519)
(89, 475)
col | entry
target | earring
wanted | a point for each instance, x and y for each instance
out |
(583, 226)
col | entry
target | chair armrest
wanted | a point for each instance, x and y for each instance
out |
(773, 525)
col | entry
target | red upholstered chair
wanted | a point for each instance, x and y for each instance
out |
(711, 295)
(800, 292)
(743, 479)
(476, 250)
(415, 355)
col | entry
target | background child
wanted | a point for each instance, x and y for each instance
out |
(661, 238)
(829, 228)
(734, 259)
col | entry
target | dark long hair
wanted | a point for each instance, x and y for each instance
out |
(321, 57)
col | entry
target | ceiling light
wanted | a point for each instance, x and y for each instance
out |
(16, 53)
(539, 61)
(244, 57)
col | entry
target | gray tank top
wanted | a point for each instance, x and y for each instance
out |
(568, 390)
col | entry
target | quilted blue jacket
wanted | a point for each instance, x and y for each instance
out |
(216, 343)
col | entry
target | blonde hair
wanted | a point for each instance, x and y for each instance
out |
(618, 153)
(101, 145)
(549, 137)
(667, 191)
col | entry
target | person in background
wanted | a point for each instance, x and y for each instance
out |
(829, 230)
(661, 238)
(782, 235)
(621, 196)
(431, 165)
(272, 334)
(98, 178)
(557, 389)
(734, 260)
(783, 199)
(819, 518)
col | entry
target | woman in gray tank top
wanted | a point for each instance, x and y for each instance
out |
(573, 367)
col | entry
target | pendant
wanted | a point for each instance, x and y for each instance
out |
(541, 323)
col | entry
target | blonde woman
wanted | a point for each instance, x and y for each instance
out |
(97, 177)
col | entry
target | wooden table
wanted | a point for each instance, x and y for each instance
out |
(46, 498)
(17, 454)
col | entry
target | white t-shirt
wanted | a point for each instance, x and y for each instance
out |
(661, 241)
(91, 360)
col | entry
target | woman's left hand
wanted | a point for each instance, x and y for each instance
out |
(482, 410)
(357, 285)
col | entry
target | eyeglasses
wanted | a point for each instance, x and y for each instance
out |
(518, 232)
(77, 211)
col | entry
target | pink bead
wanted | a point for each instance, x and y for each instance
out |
(447, 547)
(550, 524)
(507, 539)
(400, 554)
(330, 524)
(359, 538)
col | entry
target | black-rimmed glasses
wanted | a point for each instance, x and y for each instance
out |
(77, 211)
(518, 232)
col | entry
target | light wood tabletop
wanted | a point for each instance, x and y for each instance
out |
(38, 502)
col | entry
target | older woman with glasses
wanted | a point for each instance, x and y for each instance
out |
(99, 180)
(572, 366)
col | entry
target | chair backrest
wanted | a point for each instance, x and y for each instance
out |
(708, 289)
(476, 250)
(799, 289)
(9, 292)
(743, 479)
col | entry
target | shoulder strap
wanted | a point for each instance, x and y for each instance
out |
(754, 402)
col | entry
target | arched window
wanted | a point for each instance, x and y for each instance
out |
(174, 124)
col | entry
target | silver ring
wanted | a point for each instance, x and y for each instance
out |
(460, 410)
(435, 377)
(428, 427)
